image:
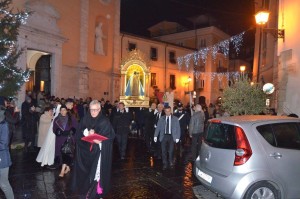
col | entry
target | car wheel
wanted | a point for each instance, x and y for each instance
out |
(262, 190)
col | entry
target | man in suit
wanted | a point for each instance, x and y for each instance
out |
(157, 146)
(168, 130)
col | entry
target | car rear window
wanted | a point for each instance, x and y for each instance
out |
(267, 132)
(220, 136)
(283, 135)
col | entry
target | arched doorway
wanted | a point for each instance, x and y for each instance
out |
(39, 64)
(42, 74)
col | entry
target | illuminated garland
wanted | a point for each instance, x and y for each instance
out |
(221, 47)
(180, 62)
(215, 75)
(22, 17)
(187, 60)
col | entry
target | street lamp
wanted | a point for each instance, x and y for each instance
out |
(242, 69)
(261, 18)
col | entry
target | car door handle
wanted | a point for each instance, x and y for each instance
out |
(276, 155)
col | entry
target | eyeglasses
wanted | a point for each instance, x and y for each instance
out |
(95, 110)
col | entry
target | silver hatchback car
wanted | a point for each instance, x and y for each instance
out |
(251, 157)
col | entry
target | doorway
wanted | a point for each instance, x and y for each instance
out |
(39, 64)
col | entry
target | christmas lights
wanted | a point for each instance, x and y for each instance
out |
(12, 77)
(213, 75)
(221, 47)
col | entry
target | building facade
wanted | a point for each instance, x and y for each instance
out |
(288, 56)
(71, 47)
(74, 48)
(160, 59)
(279, 53)
(210, 79)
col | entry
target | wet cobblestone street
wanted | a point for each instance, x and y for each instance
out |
(138, 176)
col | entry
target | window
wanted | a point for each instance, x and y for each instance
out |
(267, 133)
(180, 43)
(172, 58)
(220, 135)
(202, 43)
(131, 46)
(220, 83)
(153, 54)
(200, 83)
(153, 79)
(287, 135)
(283, 135)
(172, 82)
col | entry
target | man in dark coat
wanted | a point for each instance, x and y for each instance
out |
(92, 166)
(114, 110)
(149, 126)
(140, 120)
(29, 121)
(121, 124)
(184, 120)
(24, 113)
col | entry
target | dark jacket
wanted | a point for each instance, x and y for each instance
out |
(12, 118)
(121, 122)
(150, 120)
(5, 160)
(197, 123)
(184, 119)
(157, 117)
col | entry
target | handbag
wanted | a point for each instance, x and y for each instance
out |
(68, 146)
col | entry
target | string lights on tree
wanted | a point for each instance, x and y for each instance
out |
(12, 77)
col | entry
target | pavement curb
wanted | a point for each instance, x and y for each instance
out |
(203, 193)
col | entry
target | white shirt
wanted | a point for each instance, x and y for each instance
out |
(169, 123)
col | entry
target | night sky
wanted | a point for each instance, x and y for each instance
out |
(232, 16)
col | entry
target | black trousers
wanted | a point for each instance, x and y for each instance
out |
(196, 144)
(167, 147)
(122, 143)
(149, 135)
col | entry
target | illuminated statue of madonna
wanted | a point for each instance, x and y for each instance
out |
(134, 85)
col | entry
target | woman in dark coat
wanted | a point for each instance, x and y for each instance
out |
(64, 125)
(5, 160)
(12, 116)
(92, 167)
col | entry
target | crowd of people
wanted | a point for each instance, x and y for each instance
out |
(50, 123)
(56, 128)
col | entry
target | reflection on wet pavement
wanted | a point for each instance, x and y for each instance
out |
(138, 176)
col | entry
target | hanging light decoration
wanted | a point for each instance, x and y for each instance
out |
(180, 62)
(187, 60)
(220, 47)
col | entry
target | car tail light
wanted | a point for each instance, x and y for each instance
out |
(215, 121)
(243, 150)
